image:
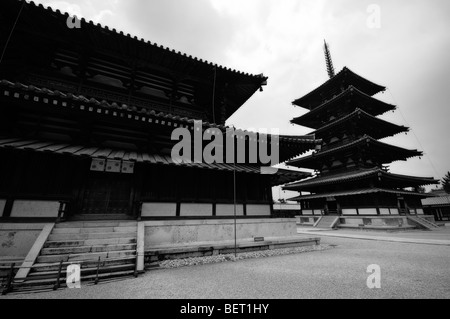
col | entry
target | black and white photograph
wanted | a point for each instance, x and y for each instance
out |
(218, 157)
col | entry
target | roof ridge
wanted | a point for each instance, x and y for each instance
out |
(141, 40)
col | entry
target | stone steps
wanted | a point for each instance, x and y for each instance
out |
(87, 249)
(327, 222)
(84, 236)
(89, 242)
(52, 274)
(109, 246)
(423, 223)
(89, 230)
(85, 256)
(43, 267)
(31, 284)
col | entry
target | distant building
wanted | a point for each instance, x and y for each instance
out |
(438, 206)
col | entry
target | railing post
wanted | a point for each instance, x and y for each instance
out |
(8, 287)
(98, 268)
(139, 210)
(136, 267)
(58, 284)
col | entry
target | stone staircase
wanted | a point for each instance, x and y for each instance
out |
(327, 222)
(104, 249)
(423, 222)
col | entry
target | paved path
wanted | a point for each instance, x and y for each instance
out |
(407, 271)
(437, 237)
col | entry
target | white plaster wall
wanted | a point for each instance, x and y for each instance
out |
(354, 221)
(367, 211)
(159, 210)
(307, 212)
(17, 239)
(2, 206)
(228, 210)
(258, 210)
(34, 208)
(349, 211)
(189, 209)
(189, 231)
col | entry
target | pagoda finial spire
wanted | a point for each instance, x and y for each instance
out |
(330, 68)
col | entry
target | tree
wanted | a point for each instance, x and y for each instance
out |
(420, 189)
(446, 183)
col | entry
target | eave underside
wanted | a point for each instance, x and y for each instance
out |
(361, 121)
(357, 192)
(334, 86)
(375, 175)
(346, 103)
(384, 153)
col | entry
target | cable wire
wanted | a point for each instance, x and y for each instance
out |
(12, 30)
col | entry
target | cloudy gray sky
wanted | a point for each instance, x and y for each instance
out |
(408, 52)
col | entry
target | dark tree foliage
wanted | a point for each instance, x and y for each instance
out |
(446, 183)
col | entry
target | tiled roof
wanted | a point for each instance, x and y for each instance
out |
(377, 123)
(358, 175)
(405, 153)
(357, 192)
(436, 201)
(281, 176)
(315, 95)
(337, 178)
(381, 107)
(48, 12)
(86, 104)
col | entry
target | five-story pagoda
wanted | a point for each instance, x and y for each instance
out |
(352, 177)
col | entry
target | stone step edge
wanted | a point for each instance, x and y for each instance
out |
(97, 234)
(52, 281)
(89, 246)
(87, 254)
(89, 269)
(66, 263)
(76, 241)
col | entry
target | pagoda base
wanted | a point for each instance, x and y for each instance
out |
(368, 222)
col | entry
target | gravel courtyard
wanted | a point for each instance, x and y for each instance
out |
(407, 271)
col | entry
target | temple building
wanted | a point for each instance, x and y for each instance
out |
(352, 177)
(88, 174)
(86, 120)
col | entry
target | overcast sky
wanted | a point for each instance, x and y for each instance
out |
(408, 51)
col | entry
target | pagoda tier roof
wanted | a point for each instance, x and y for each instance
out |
(394, 180)
(48, 30)
(384, 153)
(356, 192)
(290, 145)
(335, 86)
(373, 126)
(281, 176)
(349, 100)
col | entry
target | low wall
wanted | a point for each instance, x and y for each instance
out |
(375, 221)
(17, 239)
(190, 231)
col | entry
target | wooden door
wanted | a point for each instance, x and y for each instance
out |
(107, 193)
